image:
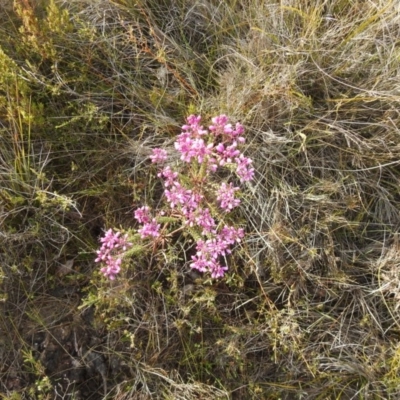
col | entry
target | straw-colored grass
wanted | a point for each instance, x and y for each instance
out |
(310, 306)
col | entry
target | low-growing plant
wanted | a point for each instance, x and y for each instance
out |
(198, 198)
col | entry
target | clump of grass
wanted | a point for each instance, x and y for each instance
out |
(311, 306)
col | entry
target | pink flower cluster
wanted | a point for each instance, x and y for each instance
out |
(111, 252)
(150, 226)
(226, 196)
(210, 250)
(192, 194)
(217, 147)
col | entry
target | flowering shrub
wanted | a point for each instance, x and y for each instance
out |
(195, 199)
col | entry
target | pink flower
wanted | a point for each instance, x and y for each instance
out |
(177, 195)
(219, 123)
(227, 154)
(112, 268)
(238, 132)
(226, 197)
(111, 251)
(184, 146)
(192, 148)
(200, 150)
(217, 270)
(190, 216)
(192, 202)
(212, 164)
(206, 258)
(199, 263)
(142, 215)
(222, 127)
(193, 120)
(205, 220)
(216, 247)
(150, 229)
(244, 170)
(169, 175)
(231, 235)
(194, 128)
(158, 156)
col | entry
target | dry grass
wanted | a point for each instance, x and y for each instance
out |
(311, 305)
